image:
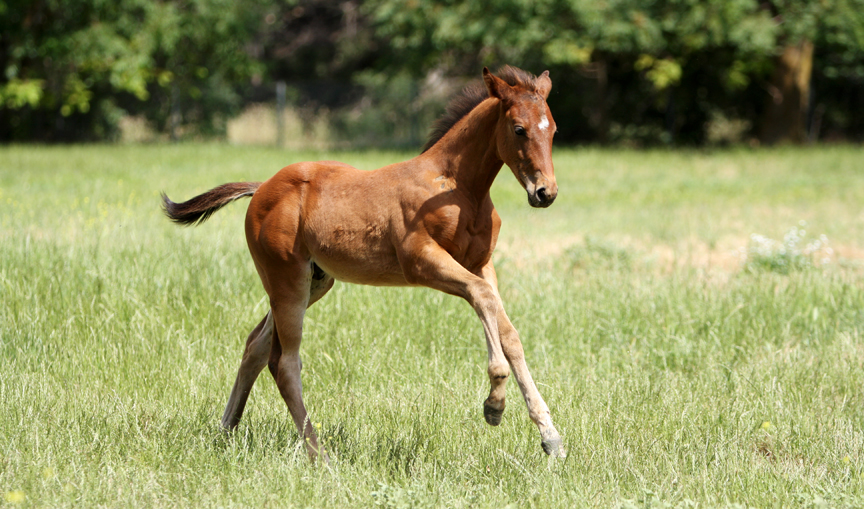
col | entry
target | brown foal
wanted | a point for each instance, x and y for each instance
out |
(424, 222)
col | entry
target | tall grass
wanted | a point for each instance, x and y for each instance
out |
(681, 365)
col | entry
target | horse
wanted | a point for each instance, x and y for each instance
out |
(426, 222)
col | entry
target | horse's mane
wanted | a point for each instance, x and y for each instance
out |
(473, 95)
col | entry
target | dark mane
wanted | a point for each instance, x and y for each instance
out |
(470, 97)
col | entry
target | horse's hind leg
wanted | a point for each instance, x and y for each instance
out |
(321, 284)
(258, 351)
(255, 357)
(290, 295)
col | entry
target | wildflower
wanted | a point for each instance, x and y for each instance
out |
(788, 254)
(14, 497)
(766, 425)
(847, 459)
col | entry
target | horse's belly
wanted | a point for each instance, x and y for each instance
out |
(356, 255)
(361, 271)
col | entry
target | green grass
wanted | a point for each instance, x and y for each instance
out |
(682, 366)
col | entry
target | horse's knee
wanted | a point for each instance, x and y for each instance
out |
(484, 298)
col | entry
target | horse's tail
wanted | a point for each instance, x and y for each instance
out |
(199, 209)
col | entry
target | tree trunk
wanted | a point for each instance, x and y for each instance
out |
(789, 89)
(602, 100)
(174, 117)
(598, 116)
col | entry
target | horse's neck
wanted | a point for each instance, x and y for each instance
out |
(468, 154)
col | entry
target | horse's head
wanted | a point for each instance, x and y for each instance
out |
(524, 134)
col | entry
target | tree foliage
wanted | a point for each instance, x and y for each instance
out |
(70, 65)
(661, 71)
(658, 70)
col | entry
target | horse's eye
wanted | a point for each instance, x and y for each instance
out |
(519, 130)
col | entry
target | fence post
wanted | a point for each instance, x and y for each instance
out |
(280, 113)
(174, 116)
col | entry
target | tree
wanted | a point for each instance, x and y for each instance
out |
(635, 53)
(71, 65)
(666, 71)
(660, 70)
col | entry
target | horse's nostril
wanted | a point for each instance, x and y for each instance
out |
(541, 194)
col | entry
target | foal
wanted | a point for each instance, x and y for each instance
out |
(424, 222)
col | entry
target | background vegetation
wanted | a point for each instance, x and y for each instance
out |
(696, 336)
(376, 72)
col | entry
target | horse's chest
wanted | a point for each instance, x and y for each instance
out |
(469, 239)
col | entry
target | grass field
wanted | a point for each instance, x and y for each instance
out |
(687, 362)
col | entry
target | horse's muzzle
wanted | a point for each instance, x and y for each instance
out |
(542, 197)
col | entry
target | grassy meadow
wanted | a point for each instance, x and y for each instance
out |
(693, 319)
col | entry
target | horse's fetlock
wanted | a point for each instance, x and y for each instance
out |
(499, 371)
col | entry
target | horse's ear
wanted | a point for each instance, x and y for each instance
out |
(495, 85)
(543, 84)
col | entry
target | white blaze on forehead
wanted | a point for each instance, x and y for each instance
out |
(544, 123)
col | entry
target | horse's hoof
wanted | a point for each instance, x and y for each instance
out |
(492, 415)
(554, 447)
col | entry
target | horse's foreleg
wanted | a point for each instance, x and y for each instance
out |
(436, 269)
(537, 409)
(498, 369)
(512, 348)
(431, 266)
(254, 359)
